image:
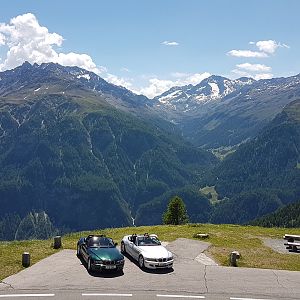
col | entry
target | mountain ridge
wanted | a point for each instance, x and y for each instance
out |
(71, 151)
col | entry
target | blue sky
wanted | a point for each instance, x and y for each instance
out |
(149, 46)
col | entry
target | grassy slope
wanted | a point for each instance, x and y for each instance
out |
(11, 254)
(224, 239)
(210, 190)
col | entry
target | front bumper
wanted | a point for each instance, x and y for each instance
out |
(158, 265)
(96, 266)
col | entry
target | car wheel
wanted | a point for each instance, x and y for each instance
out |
(89, 265)
(78, 251)
(123, 249)
(141, 261)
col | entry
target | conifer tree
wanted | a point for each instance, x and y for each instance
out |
(176, 212)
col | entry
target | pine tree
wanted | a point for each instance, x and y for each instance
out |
(176, 212)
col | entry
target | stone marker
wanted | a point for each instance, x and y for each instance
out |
(57, 242)
(26, 259)
(201, 235)
(234, 255)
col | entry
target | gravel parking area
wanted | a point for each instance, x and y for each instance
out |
(278, 246)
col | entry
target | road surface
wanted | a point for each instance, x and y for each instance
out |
(63, 276)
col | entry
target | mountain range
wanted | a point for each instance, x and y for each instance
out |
(67, 148)
(220, 112)
(91, 154)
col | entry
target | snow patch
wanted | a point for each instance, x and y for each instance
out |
(214, 90)
(86, 76)
(169, 97)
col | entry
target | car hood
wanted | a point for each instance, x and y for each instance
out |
(155, 251)
(105, 253)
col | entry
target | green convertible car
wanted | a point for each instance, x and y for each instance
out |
(100, 253)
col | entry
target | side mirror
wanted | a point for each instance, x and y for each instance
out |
(116, 244)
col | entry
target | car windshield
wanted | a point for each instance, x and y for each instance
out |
(147, 241)
(100, 242)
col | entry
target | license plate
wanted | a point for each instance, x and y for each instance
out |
(110, 267)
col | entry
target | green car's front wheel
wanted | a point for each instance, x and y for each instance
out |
(89, 265)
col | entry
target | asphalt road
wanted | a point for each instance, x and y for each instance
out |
(63, 276)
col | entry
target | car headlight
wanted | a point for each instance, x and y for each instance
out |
(121, 261)
(170, 258)
(97, 261)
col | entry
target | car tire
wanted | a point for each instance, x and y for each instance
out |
(89, 265)
(78, 251)
(123, 249)
(141, 262)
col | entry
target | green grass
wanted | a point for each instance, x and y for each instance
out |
(224, 239)
(210, 190)
(11, 254)
(223, 151)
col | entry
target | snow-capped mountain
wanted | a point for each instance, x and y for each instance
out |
(31, 80)
(241, 114)
(188, 98)
(215, 112)
(222, 112)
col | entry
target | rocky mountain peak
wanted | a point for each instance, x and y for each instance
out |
(190, 97)
(32, 80)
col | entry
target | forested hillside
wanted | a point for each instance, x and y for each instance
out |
(75, 156)
(89, 154)
(35, 225)
(288, 216)
(263, 174)
(197, 205)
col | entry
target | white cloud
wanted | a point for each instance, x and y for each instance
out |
(254, 67)
(263, 76)
(258, 76)
(158, 86)
(179, 74)
(168, 43)
(265, 48)
(241, 73)
(27, 40)
(2, 39)
(80, 60)
(246, 53)
(194, 78)
(125, 70)
(257, 71)
(118, 80)
(270, 46)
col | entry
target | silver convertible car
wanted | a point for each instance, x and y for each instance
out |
(147, 251)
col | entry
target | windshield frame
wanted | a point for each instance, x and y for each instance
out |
(100, 242)
(142, 241)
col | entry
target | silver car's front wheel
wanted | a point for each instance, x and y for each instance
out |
(78, 251)
(123, 250)
(141, 261)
